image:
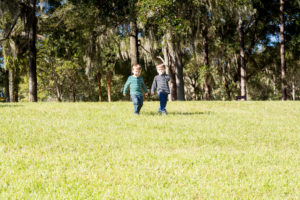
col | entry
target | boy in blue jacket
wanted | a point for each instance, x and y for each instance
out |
(160, 84)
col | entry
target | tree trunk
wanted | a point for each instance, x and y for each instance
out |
(59, 92)
(11, 81)
(179, 75)
(293, 87)
(7, 86)
(176, 63)
(226, 84)
(6, 68)
(17, 82)
(99, 86)
(207, 87)
(227, 88)
(196, 72)
(108, 81)
(74, 93)
(274, 84)
(31, 28)
(242, 56)
(41, 5)
(10, 53)
(134, 52)
(282, 52)
(171, 72)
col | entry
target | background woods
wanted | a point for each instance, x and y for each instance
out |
(213, 50)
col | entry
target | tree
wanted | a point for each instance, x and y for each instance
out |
(292, 41)
(202, 17)
(59, 76)
(134, 51)
(167, 16)
(10, 13)
(282, 52)
(242, 57)
(245, 11)
(31, 31)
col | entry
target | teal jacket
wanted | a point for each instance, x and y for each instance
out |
(136, 84)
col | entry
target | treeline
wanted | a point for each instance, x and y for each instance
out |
(214, 50)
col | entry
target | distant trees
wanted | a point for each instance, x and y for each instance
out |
(83, 50)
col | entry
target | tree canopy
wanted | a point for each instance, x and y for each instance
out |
(213, 50)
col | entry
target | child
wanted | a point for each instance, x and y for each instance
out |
(160, 83)
(136, 84)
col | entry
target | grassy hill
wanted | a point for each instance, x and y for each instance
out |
(200, 150)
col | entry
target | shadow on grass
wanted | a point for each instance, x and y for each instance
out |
(3, 105)
(179, 113)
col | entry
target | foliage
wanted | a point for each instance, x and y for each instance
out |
(77, 40)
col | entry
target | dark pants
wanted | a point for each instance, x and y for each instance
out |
(137, 101)
(163, 98)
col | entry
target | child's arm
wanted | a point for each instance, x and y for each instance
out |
(126, 86)
(144, 86)
(154, 85)
(167, 77)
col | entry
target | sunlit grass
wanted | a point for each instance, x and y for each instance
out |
(200, 150)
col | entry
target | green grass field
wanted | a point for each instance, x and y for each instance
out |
(200, 150)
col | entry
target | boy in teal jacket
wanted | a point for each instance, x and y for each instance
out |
(136, 84)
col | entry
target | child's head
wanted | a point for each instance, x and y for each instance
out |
(136, 70)
(161, 69)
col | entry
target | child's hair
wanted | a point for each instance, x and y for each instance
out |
(136, 66)
(160, 66)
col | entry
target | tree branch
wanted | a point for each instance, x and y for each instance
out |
(11, 29)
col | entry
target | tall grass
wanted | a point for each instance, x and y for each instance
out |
(200, 150)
